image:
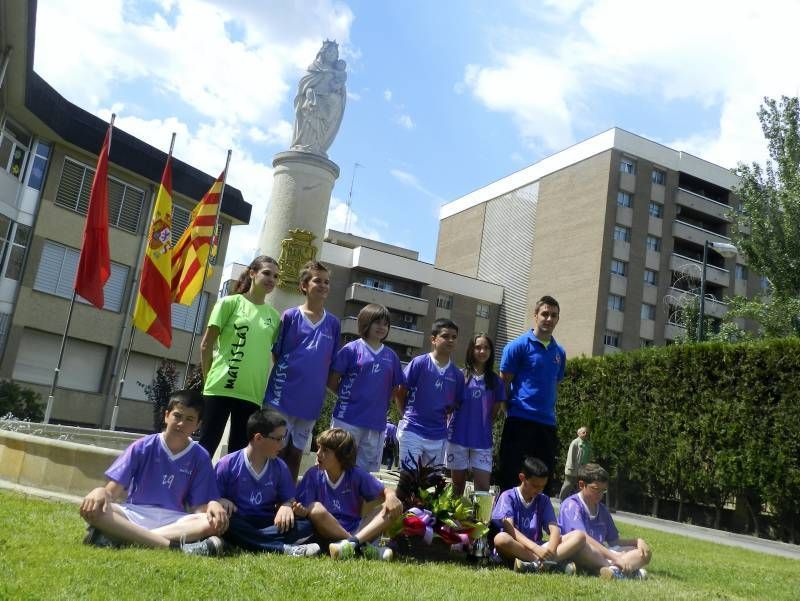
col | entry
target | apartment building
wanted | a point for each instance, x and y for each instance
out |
(416, 293)
(48, 153)
(614, 228)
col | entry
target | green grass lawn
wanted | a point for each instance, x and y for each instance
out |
(41, 557)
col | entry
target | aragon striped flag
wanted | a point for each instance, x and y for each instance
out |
(153, 312)
(190, 254)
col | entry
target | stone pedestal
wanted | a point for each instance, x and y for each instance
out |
(301, 194)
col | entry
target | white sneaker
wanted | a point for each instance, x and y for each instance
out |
(208, 547)
(308, 550)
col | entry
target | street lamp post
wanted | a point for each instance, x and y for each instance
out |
(727, 251)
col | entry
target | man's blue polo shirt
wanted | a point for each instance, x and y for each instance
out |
(537, 371)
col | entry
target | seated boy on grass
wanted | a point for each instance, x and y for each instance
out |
(332, 493)
(163, 473)
(605, 551)
(258, 492)
(522, 514)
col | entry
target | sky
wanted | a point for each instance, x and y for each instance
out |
(442, 97)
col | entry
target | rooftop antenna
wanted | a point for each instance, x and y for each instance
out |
(350, 199)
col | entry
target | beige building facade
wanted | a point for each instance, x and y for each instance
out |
(613, 228)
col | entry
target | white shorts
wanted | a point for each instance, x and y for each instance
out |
(413, 446)
(299, 430)
(150, 516)
(463, 458)
(369, 442)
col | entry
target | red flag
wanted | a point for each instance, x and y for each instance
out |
(95, 265)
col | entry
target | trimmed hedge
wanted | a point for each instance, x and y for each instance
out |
(702, 423)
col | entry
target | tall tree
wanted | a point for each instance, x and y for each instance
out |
(768, 228)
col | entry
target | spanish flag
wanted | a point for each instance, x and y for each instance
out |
(153, 310)
(190, 254)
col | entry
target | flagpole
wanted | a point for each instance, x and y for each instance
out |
(205, 271)
(51, 396)
(118, 394)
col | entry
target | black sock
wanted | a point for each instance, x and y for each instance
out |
(175, 545)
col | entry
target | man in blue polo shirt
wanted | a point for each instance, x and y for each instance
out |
(532, 365)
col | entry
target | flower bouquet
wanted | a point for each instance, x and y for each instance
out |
(433, 515)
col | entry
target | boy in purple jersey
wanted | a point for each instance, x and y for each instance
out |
(469, 432)
(258, 492)
(586, 513)
(163, 474)
(435, 388)
(307, 343)
(364, 374)
(522, 514)
(332, 494)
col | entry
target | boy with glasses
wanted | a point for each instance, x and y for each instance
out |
(605, 551)
(258, 492)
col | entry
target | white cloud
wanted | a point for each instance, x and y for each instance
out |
(206, 148)
(405, 121)
(280, 133)
(337, 220)
(225, 69)
(191, 56)
(412, 181)
(725, 58)
(387, 95)
(353, 96)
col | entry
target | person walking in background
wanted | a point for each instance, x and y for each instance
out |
(579, 454)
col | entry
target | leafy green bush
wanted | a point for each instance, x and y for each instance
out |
(21, 402)
(704, 423)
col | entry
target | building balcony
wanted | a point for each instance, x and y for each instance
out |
(693, 233)
(397, 335)
(693, 268)
(713, 308)
(402, 303)
(702, 204)
(673, 331)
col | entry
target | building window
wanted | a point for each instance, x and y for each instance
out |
(653, 243)
(627, 165)
(619, 267)
(656, 210)
(407, 321)
(444, 301)
(648, 312)
(741, 272)
(765, 285)
(611, 338)
(14, 238)
(56, 275)
(183, 317)
(39, 166)
(622, 233)
(659, 177)
(373, 282)
(645, 342)
(14, 147)
(82, 368)
(482, 310)
(616, 302)
(624, 199)
(125, 202)
(650, 277)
